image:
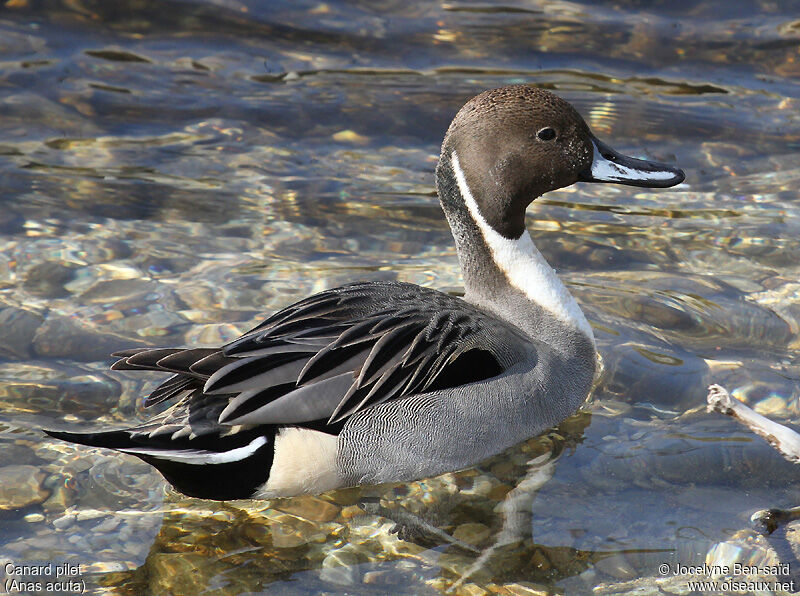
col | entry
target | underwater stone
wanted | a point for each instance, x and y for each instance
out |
(471, 533)
(339, 567)
(60, 337)
(295, 532)
(21, 486)
(310, 508)
(63, 522)
(616, 566)
(527, 589)
(47, 279)
(18, 327)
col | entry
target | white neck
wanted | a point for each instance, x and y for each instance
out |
(524, 266)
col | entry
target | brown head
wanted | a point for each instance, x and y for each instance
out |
(516, 143)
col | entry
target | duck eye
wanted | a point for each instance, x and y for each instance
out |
(546, 134)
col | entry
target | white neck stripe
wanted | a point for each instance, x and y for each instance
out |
(524, 266)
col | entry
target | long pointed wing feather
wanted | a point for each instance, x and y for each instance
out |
(336, 353)
(396, 339)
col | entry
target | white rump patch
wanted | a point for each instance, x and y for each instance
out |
(523, 264)
(605, 169)
(305, 463)
(201, 456)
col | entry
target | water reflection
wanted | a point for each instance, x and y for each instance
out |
(172, 171)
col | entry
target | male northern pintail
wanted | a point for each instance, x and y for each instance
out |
(386, 381)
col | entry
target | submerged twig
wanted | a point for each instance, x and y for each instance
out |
(771, 523)
(766, 521)
(783, 439)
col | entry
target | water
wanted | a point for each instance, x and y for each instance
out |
(171, 171)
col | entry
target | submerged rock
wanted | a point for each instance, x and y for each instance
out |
(47, 279)
(310, 508)
(18, 327)
(60, 337)
(340, 567)
(21, 486)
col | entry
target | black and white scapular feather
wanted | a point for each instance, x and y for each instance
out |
(386, 381)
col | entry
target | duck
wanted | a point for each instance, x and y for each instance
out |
(384, 381)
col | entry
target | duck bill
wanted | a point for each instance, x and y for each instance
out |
(611, 166)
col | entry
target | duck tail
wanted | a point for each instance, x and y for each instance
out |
(208, 467)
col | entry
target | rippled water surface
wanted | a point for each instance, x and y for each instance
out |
(172, 170)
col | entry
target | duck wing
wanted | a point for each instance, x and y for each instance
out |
(337, 353)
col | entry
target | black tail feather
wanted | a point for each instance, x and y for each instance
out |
(115, 439)
(237, 479)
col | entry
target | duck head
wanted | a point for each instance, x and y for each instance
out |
(515, 143)
(504, 148)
